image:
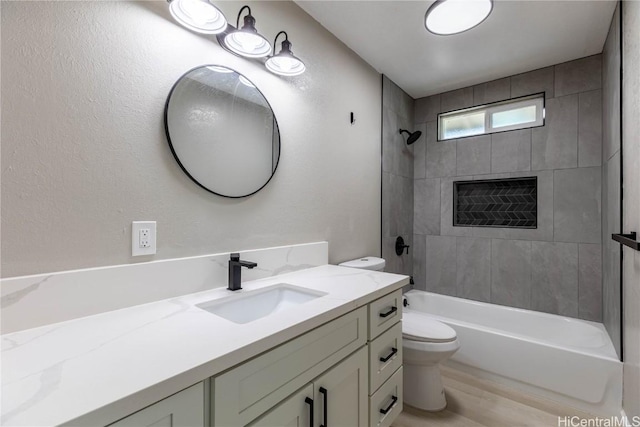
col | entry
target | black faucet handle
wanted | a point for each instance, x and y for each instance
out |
(235, 257)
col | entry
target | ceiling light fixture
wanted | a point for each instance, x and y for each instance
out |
(446, 17)
(285, 63)
(246, 41)
(198, 15)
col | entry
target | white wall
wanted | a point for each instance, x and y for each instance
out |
(84, 151)
(631, 203)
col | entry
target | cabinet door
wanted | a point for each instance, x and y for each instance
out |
(294, 411)
(184, 409)
(341, 394)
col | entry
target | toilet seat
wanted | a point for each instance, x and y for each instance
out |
(423, 328)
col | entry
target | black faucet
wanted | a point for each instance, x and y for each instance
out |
(235, 267)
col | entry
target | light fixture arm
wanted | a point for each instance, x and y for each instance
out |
(240, 13)
(275, 40)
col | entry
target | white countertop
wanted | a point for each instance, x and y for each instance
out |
(98, 369)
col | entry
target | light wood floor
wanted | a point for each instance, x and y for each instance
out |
(475, 402)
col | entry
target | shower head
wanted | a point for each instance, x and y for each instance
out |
(413, 136)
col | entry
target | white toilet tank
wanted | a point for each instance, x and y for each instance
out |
(366, 263)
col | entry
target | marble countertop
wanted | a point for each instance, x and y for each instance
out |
(98, 369)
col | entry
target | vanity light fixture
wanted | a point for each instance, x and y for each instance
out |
(446, 17)
(246, 41)
(198, 15)
(285, 63)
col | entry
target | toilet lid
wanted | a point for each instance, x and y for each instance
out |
(420, 327)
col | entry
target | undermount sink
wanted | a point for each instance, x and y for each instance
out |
(248, 306)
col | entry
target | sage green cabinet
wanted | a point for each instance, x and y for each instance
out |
(338, 397)
(183, 409)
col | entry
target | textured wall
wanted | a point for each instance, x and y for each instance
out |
(397, 176)
(611, 133)
(84, 151)
(631, 203)
(555, 268)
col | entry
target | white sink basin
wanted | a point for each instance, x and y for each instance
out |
(246, 307)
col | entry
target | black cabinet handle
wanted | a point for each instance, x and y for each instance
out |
(386, 410)
(325, 395)
(393, 352)
(390, 312)
(309, 401)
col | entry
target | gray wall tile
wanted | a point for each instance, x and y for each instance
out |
(590, 282)
(555, 145)
(554, 282)
(420, 153)
(581, 75)
(441, 158)
(577, 210)
(511, 151)
(474, 268)
(427, 109)
(456, 99)
(473, 155)
(611, 89)
(402, 264)
(532, 82)
(440, 269)
(590, 128)
(511, 273)
(419, 261)
(446, 208)
(396, 99)
(390, 139)
(426, 206)
(496, 90)
(397, 205)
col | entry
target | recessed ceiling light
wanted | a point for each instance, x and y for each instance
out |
(446, 17)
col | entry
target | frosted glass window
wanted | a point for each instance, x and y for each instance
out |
(462, 125)
(520, 113)
(519, 116)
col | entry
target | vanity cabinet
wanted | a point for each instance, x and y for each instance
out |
(242, 394)
(385, 359)
(183, 409)
(337, 398)
(347, 372)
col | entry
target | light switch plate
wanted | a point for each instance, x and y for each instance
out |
(143, 238)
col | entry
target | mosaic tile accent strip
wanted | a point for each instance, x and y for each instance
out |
(505, 203)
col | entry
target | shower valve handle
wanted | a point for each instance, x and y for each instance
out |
(400, 246)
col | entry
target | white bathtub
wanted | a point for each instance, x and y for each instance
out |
(567, 360)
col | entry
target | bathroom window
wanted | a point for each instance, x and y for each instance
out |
(519, 113)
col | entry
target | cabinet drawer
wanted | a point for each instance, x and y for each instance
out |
(248, 390)
(386, 403)
(384, 312)
(385, 356)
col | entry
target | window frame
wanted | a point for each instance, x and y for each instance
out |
(537, 99)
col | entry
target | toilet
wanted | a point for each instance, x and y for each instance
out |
(426, 343)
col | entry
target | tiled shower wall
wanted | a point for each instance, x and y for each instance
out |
(555, 268)
(397, 176)
(611, 289)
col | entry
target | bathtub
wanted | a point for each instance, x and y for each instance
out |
(567, 360)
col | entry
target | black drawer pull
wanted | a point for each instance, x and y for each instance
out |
(385, 411)
(325, 394)
(393, 353)
(309, 401)
(390, 312)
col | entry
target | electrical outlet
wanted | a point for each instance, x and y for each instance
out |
(143, 238)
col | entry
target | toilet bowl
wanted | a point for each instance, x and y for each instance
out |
(425, 344)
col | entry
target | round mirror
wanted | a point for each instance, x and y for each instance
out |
(222, 131)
